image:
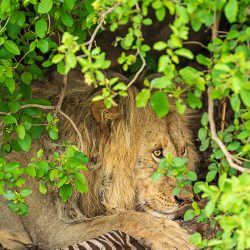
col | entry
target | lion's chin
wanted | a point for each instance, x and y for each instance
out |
(174, 213)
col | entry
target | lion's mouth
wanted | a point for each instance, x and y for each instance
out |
(173, 213)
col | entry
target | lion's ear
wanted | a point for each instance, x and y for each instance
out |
(101, 113)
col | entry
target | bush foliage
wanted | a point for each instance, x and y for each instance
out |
(36, 35)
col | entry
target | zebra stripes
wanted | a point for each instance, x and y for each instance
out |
(114, 240)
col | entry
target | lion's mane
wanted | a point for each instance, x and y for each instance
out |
(109, 138)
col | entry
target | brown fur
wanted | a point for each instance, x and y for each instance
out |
(119, 143)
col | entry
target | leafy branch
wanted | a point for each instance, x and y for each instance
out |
(230, 158)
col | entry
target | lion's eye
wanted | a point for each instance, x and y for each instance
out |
(158, 153)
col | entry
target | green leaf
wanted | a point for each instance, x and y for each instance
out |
(202, 134)
(176, 191)
(160, 104)
(70, 59)
(201, 59)
(163, 65)
(65, 192)
(160, 13)
(31, 170)
(42, 188)
(53, 134)
(62, 181)
(209, 209)
(231, 10)
(204, 119)
(11, 167)
(156, 176)
(70, 3)
(189, 74)
(67, 19)
(50, 117)
(42, 168)
(142, 98)
(43, 45)
(12, 47)
(20, 182)
(233, 145)
(26, 77)
(189, 215)
(9, 195)
(247, 125)
(25, 143)
(235, 102)
(9, 119)
(23, 209)
(185, 53)
(26, 192)
(161, 83)
(5, 6)
(211, 175)
(195, 239)
(197, 187)
(80, 183)
(45, 6)
(160, 45)
(181, 107)
(41, 28)
(20, 131)
(194, 101)
(10, 84)
(80, 157)
(245, 96)
(53, 174)
(179, 162)
(14, 107)
(147, 21)
(192, 176)
(57, 58)
(222, 181)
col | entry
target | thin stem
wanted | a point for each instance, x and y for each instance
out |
(59, 104)
(5, 24)
(195, 42)
(138, 72)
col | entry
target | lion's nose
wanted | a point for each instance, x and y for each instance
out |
(178, 200)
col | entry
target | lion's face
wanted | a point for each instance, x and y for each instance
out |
(125, 145)
(156, 141)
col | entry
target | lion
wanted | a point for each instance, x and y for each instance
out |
(124, 145)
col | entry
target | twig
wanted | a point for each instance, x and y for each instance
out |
(232, 161)
(223, 115)
(102, 19)
(60, 112)
(138, 72)
(216, 25)
(48, 23)
(21, 59)
(230, 158)
(59, 104)
(195, 42)
(5, 24)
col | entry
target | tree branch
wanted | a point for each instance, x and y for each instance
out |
(102, 19)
